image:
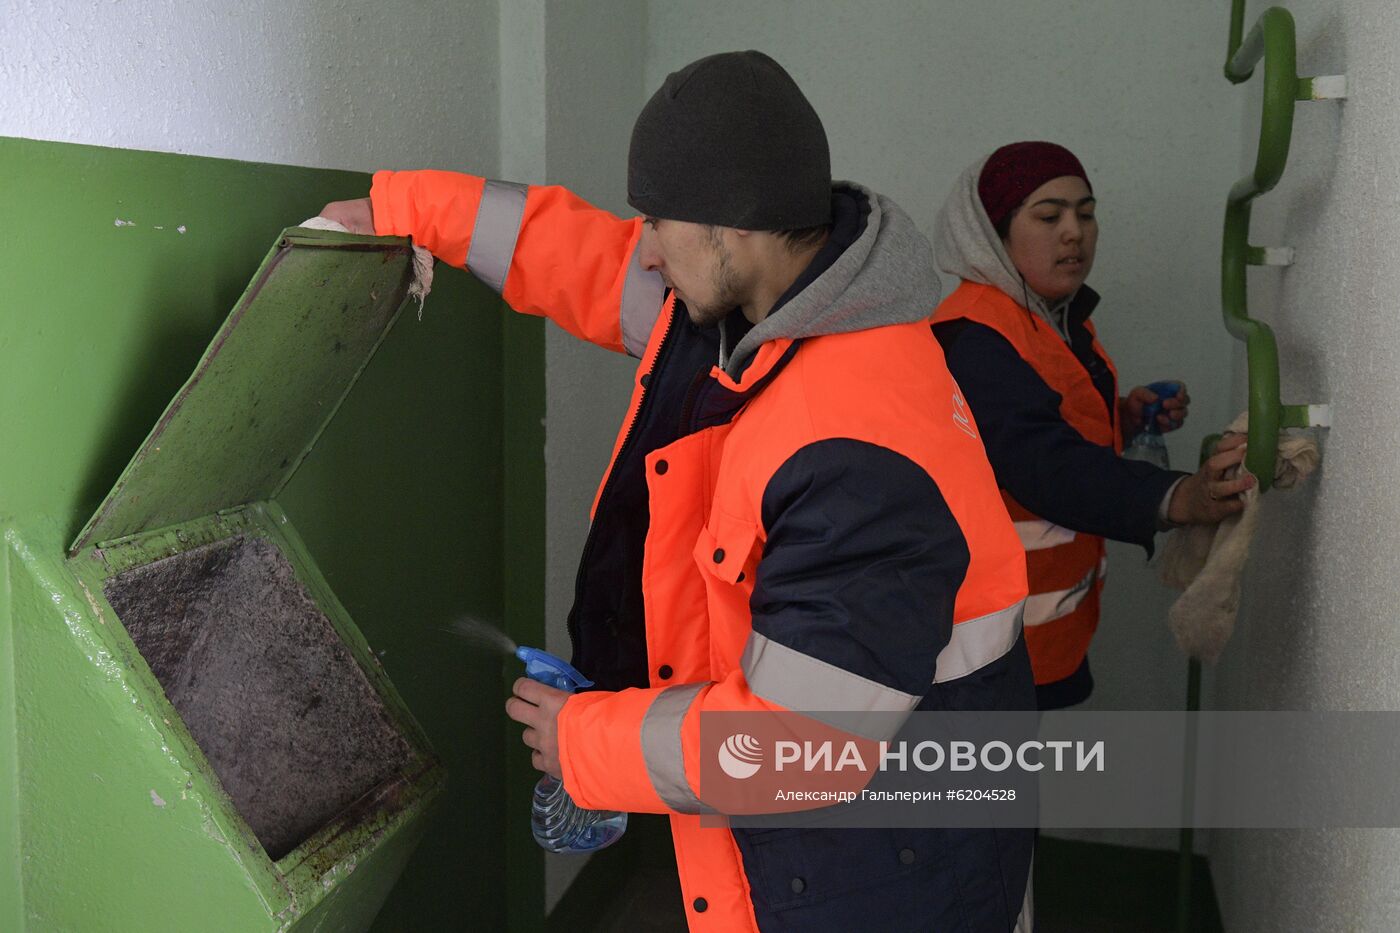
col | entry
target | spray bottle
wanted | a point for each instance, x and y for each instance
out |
(1148, 445)
(559, 824)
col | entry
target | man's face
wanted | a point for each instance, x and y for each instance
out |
(695, 263)
(1053, 236)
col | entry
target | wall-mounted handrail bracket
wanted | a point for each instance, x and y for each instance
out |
(1270, 256)
(1272, 40)
(1323, 87)
(1306, 416)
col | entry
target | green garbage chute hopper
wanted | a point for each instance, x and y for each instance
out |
(303, 757)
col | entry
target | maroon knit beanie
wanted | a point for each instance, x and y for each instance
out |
(1014, 171)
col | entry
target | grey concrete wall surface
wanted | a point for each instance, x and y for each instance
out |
(1317, 623)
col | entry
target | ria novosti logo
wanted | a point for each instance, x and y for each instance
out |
(773, 763)
(740, 756)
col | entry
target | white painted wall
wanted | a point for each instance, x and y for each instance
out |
(911, 93)
(1317, 627)
(350, 84)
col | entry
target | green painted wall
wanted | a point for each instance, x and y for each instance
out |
(11, 914)
(404, 502)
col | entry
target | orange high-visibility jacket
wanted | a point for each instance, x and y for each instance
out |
(1066, 569)
(819, 530)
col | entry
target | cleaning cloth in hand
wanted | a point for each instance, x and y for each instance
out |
(1207, 560)
(422, 261)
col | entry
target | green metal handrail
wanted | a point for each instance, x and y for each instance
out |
(1273, 40)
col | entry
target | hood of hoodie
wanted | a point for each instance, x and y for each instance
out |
(886, 276)
(968, 247)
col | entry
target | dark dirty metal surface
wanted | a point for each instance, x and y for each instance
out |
(264, 684)
(271, 380)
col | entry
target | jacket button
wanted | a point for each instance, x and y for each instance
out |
(700, 905)
(719, 555)
(665, 672)
(646, 380)
(906, 856)
(662, 466)
(798, 886)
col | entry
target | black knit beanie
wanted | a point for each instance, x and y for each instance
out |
(730, 140)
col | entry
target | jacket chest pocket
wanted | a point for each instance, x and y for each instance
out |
(727, 552)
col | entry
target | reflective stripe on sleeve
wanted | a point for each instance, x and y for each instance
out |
(978, 642)
(497, 228)
(643, 294)
(661, 748)
(1038, 534)
(1047, 607)
(805, 684)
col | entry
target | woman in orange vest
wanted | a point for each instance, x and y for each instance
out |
(1019, 230)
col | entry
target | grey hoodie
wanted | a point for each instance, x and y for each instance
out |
(885, 277)
(968, 247)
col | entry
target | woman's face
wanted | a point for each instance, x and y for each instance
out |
(1053, 235)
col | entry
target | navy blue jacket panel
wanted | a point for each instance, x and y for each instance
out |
(1043, 462)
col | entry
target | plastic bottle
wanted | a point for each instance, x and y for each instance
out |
(1148, 445)
(559, 824)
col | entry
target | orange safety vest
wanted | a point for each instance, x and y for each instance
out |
(1066, 569)
(638, 749)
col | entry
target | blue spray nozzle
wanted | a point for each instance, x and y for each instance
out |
(1163, 391)
(552, 671)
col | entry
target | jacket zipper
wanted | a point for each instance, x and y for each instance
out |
(688, 406)
(612, 474)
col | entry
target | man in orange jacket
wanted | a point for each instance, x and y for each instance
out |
(798, 515)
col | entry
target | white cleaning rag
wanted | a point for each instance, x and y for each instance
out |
(1207, 560)
(422, 261)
